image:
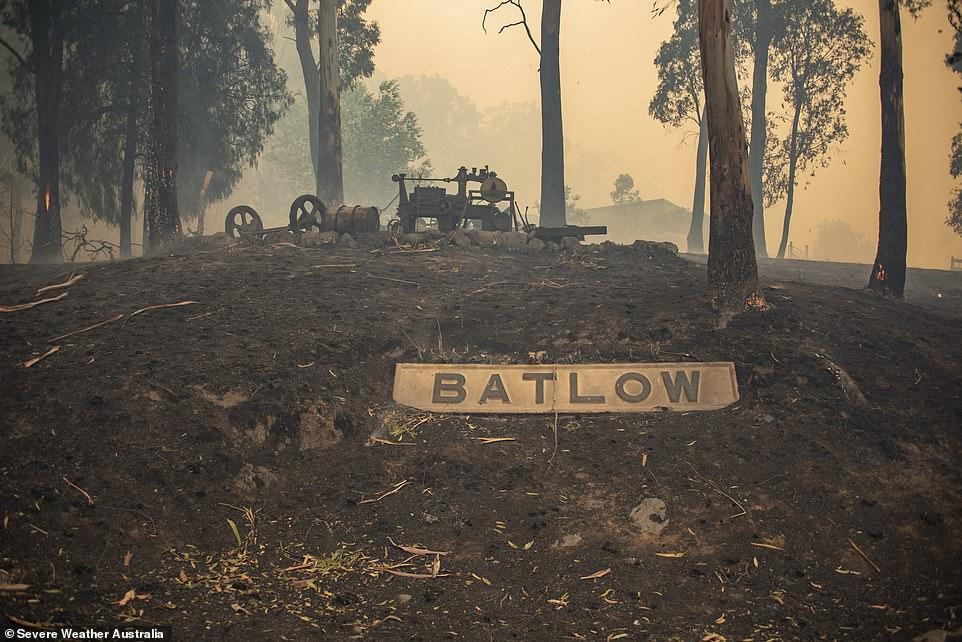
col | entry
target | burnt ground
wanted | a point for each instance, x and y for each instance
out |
(267, 403)
(936, 289)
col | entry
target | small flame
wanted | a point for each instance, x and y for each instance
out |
(46, 198)
(880, 275)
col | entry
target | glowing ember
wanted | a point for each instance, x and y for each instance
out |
(880, 275)
(46, 199)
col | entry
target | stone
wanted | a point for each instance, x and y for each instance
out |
(327, 239)
(551, 246)
(513, 240)
(432, 234)
(536, 245)
(316, 429)
(488, 239)
(649, 516)
(570, 541)
(347, 241)
(570, 244)
(458, 238)
(655, 247)
(251, 479)
(310, 239)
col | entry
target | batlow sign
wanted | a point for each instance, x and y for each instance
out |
(578, 388)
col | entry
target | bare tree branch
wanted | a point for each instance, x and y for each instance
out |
(523, 22)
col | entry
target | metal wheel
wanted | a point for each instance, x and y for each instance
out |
(306, 212)
(242, 220)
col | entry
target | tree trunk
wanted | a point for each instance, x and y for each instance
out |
(732, 270)
(47, 34)
(792, 172)
(163, 221)
(888, 273)
(552, 131)
(696, 237)
(756, 156)
(130, 152)
(312, 88)
(330, 178)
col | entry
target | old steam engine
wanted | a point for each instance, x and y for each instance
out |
(457, 210)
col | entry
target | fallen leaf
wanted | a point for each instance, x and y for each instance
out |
(14, 587)
(671, 555)
(129, 556)
(598, 574)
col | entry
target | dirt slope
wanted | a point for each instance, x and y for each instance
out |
(267, 402)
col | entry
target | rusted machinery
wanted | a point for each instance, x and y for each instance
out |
(455, 210)
(307, 213)
(556, 234)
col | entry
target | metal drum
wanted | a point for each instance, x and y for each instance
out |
(350, 219)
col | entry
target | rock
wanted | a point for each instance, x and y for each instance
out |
(316, 429)
(649, 516)
(369, 239)
(655, 247)
(347, 241)
(432, 234)
(536, 245)
(474, 234)
(458, 238)
(551, 246)
(570, 244)
(251, 479)
(413, 240)
(327, 239)
(569, 541)
(489, 239)
(513, 240)
(310, 239)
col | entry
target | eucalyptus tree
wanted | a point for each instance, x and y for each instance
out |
(822, 48)
(732, 268)
(888, 270)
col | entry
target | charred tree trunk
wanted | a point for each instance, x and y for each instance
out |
(696, 237)
(130, 151)
(732, 270)
(163, 221)
(756, 156)
(330, 178)
(312, 88)
(552, 131)
(792, 172)
(47, 33)
(888, 273)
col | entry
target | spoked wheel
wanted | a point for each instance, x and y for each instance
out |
(306, 212)
(243, 220)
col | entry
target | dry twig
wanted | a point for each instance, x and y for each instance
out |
(116, 317)
(26, 306)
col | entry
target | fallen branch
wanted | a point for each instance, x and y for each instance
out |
(849, 387)
(29, 363)
(864, 556)
(387, 278)
(90, 500)
(335, 265)
(27, 306)
(116, 317)
(718, 490)
(66, 284)
(396, 488)
(159, 307)
(494, 440)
